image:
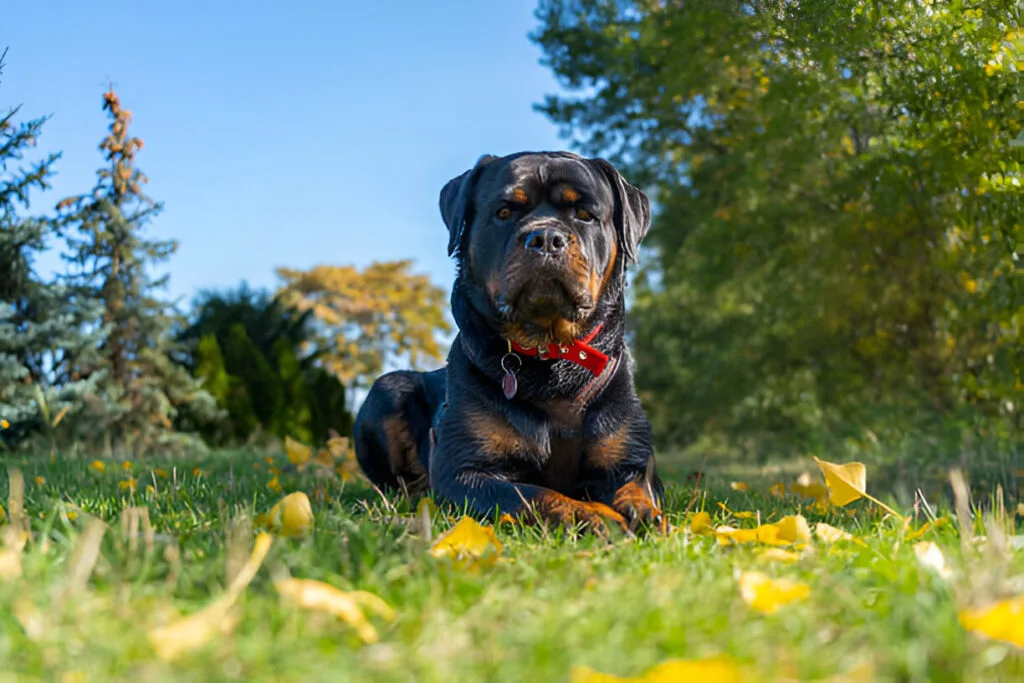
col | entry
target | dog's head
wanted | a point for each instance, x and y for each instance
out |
(540, 237)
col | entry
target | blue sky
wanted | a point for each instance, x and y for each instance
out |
(283, 137)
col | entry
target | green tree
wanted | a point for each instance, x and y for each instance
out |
(110, 259)
(836, 248)
(42, 326)
(258, 358)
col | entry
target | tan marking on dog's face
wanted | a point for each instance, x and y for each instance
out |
(519, 196)
(569, 195)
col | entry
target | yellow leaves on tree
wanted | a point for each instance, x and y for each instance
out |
(367, 317)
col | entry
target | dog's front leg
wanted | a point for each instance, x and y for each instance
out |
(481, 460)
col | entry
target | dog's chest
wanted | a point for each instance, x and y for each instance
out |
(565, 429)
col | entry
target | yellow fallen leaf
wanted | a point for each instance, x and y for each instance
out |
(324, 458)
(925, 528)
(30, 617)
(794, 529)
(468, 542)
(831, 534)
(768, 595)
(847, 483)
(195, 630)
(742, 514)
(766, 533)
(778, 490)
(778, 555)
(806, 487)
(317, 595)
(291, 516)
(930, 556)
(709, 670)
(298, 453)
(10, 563)
(740, 486)
(701, 523)
(1000, 621)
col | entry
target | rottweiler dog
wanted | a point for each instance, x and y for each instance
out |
(535, 414)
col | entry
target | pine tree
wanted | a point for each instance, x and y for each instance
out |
(42, 324)
(110, 259)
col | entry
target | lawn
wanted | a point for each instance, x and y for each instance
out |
(549, 607)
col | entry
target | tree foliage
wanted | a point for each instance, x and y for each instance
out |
(110, 259)
(838, 236)
(41, 322)
(364, 319)
(257, 358)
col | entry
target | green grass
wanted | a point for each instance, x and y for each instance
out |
(553, 601)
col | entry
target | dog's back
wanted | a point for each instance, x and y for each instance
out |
(392, 429)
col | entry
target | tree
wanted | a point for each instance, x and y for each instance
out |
(258, 359)
(365, 319)
(42, 325)
(110, 259)
(836, 249)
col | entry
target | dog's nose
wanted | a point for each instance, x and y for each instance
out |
(546, 241)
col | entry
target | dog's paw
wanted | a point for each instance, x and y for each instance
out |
(596, 518)
(634, 503)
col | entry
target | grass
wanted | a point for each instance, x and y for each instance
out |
(551, 603)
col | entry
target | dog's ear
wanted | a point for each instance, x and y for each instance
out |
(632, 211)
(457, 202)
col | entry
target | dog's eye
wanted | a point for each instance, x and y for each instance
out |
(504, 213)
(584, 215)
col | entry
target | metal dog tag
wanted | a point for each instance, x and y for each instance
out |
(509, 383)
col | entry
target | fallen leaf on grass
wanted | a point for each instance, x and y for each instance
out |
(794, 529)
(195, 630)
(831, 534)
(847, 483)
(710, 670)
(805, 487)
(925, 528)
(778, 555)
(29, 617)
(791, 530)
(778, 490)
(740, 486)
(291, 516)
(701, 523)
(930, 556)
(766, 533)
(347, 606)
(743, 514)
(1000, 621)
(768, 595)
(468, 543)
(298, 453)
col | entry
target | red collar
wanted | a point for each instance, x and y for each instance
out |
(579, 352)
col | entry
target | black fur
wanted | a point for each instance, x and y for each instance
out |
(513, 454)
